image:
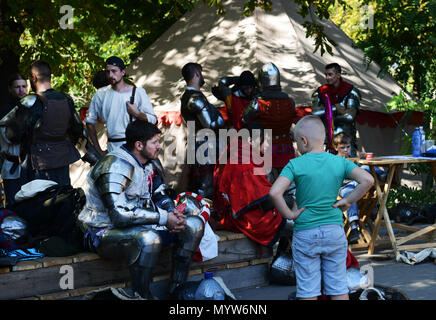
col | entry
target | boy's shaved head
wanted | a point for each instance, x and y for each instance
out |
(312, 128)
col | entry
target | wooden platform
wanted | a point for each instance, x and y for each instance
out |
(241, 263)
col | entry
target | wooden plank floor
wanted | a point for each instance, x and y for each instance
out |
(41, 279)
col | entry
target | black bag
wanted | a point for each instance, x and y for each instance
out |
(76, 126)
(53, 212)
(76, 129)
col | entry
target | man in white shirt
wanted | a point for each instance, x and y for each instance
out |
(112, 104)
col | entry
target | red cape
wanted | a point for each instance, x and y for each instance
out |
(236, 186)
(335, 94)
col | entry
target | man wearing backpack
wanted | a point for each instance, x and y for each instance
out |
(116, 105)
(48, 148)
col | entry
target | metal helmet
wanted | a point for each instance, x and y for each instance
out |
(283, 270)
(192, 205)
(269, 75)
(14, 227)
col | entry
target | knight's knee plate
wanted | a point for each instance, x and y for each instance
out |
(150, 244)
(136, 244)
(186, 245)
(191, 236)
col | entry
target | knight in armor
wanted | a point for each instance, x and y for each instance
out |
(236, 93)
(196, 110)
(130, 214)
(275, 110)
(10, 169)
(46, 149)
(345, 101)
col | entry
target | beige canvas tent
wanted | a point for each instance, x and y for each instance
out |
(230, 44)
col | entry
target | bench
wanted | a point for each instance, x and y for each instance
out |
(241, 263)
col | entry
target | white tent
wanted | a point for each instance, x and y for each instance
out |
(227, 45)
(230, 44)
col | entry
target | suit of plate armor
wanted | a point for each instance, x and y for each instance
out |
(275, 110)
(126, 205)
(345, 110)
(196, 108)
(229, 90)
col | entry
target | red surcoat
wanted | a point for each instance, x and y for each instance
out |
(236, 186)
(236, 106)
(278, 115)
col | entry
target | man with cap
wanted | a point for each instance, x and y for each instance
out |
(116, 105)
(275, 110)
(238, 97)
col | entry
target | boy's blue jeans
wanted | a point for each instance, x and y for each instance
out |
(353, 211)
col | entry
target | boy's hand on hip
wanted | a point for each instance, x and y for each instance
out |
(342, 204)
(297, 211)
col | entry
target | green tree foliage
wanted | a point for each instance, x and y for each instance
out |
(402, 41)
(350, 16)
(31, 30)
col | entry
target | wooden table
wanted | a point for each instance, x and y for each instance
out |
(394, 163)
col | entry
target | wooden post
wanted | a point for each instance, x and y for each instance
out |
(383, 196)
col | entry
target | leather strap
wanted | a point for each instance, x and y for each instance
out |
(116, 139)
(132, 100)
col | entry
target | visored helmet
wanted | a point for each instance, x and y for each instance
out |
(14, 227)
(269, 75)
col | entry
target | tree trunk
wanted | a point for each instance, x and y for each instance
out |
(8, 65)
(9, 59)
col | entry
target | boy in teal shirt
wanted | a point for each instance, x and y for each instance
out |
(319, 244)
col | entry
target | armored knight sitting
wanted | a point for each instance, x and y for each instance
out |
(130, 213)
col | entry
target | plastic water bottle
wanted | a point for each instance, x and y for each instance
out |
(209, 289)
(219, 295)
(421, 129)
(416, 143)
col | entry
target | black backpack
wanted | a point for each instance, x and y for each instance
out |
(76, 128)
(52, 212)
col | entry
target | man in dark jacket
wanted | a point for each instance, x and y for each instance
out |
(49, 149)
(198, 112)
